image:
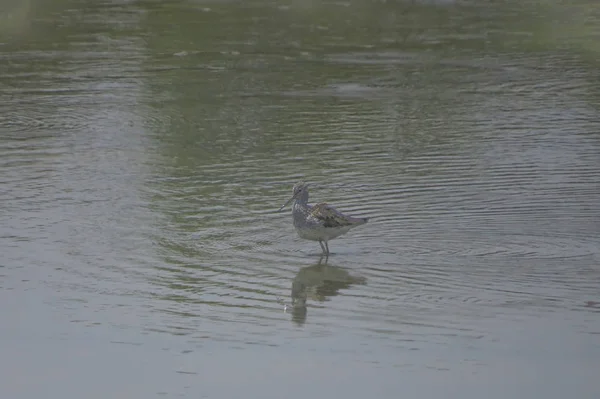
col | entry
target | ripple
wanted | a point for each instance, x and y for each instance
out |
(145, 185)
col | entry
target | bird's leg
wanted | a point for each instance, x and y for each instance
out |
(327, 247)
(322, 247)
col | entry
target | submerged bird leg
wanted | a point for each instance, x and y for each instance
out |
(326, 256)
(322, 247)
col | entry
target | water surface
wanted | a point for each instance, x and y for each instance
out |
(145, 148)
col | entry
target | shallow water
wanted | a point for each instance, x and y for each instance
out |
(145, 148)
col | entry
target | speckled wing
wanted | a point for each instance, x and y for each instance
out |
(331, 217)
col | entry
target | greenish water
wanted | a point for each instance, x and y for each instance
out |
(146, 146)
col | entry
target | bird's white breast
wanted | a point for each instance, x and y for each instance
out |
(321, 233)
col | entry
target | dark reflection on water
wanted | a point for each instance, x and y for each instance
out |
(146, 146)
(317, 282)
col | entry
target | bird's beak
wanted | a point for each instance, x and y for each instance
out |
(286, 204)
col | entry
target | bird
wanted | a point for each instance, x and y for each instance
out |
(320, 222)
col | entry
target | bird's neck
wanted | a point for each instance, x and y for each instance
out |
(300, 203)
(302, 199)
(300, 211)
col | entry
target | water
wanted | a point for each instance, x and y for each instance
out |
(145, 148)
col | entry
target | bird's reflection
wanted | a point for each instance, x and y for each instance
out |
(317, 282)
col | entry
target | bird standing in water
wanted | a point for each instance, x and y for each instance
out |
(320, 222)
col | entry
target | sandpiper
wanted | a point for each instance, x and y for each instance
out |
(320, 222)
